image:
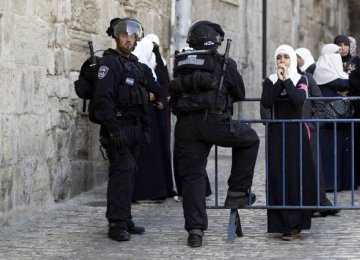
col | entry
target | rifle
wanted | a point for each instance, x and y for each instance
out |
(226, 57)
(92, 65)
(92, 54)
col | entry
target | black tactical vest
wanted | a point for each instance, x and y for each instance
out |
(196, 80)
(133, 99)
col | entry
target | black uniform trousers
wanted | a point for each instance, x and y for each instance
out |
(122, 170)
(195, 134)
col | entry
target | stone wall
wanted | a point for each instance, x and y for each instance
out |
(48, 149)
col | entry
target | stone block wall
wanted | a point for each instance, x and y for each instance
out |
(49, 151)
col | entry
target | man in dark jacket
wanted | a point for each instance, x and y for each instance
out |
(121, 103)
(204, 119)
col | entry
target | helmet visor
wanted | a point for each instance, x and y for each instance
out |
(129, 27)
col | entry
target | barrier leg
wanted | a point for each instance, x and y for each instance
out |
(234, 226)
(238, 231)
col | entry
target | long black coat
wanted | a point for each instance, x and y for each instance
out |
(151, 179)
(354, 82)
(343, 144)
(284, 181)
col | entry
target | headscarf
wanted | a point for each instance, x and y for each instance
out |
(155, 39)
(329, 65)
(352, 46)
(143, 52)
(341, 39)
(292, 69)
(305, 54)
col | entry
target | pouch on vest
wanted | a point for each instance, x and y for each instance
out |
(132, 94)
(189, 61)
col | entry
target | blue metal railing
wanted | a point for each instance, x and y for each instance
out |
(234, 226)
(316, 122)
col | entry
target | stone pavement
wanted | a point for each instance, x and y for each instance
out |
(77, 229)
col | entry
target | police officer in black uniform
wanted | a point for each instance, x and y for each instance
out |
(121, 103)
(204, 119)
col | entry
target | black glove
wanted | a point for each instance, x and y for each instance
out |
(117, 141)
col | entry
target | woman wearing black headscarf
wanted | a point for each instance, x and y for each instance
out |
(354, 82)
(351, 67)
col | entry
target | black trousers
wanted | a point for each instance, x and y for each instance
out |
(122, 170)
(195, 134)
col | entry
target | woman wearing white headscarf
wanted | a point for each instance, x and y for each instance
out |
(285, 92)
(151, 179)
(163, 79)
(306, 62)
(333, 81)
(329, 68)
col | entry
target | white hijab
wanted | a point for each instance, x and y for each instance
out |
(155, 39)
(292, 70)
(329, 65)
(143, 51)
(305, 54)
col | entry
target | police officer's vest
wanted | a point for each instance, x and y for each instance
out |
(133, 99)
(196, 80)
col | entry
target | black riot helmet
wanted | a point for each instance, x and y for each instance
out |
(204, 34)
(125, 25)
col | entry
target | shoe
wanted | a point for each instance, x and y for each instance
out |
(194, 240)
(235, 200)
(295, 234)
(178, 198)
(117, 233)
(329, 212)
(137, 230)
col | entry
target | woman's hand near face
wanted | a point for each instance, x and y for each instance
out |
(282, 71)
(283, 62)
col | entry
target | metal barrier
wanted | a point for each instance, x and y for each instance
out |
(234, 226)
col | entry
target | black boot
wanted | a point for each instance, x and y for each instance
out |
(118, 234)
(328, 212)
(238, 199)
(136, 230)
(194, 240)
(195, 237)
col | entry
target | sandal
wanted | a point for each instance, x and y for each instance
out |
(291, 236)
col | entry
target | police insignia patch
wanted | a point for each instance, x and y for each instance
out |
(103, 70)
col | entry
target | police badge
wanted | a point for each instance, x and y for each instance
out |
(103, 70)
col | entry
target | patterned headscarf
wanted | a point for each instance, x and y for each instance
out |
(352, 46)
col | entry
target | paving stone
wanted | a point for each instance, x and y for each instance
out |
(77, 229)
